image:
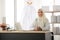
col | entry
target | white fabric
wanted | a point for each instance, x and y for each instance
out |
(29, 16)
(28, 0)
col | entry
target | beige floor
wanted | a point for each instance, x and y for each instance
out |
(56, 37)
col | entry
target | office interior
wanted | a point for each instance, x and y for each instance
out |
(11, 12)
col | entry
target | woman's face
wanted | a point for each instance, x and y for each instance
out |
(40, 13)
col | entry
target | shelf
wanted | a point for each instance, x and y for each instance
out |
(52, 23)
(56, 34)
(55, 23)
(51, 11)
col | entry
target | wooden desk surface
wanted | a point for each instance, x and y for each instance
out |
(25, 35)
(24, 31)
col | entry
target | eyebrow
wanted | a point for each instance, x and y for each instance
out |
(40, 11)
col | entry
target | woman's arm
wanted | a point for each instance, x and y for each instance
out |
(37, 29)
(46, 26)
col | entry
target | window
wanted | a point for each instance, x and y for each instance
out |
(57, 2)
(20, 10)
(47, 2)
(9, 8)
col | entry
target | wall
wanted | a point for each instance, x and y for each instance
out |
(2, 10)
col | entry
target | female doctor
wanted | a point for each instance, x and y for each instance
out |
(41, 23)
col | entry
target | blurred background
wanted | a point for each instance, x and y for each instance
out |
(11, 12)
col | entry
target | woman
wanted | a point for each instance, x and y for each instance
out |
(41, 23)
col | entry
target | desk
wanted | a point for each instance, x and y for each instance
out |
(25, 35)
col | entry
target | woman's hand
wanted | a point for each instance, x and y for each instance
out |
(38, 29)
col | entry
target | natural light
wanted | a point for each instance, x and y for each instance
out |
(20, 5)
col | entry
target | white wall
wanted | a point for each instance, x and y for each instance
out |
(2, 10)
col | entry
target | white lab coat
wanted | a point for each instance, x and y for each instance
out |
(29, 17)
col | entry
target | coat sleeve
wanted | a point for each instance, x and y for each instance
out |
(46, 26)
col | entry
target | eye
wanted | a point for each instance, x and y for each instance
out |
(39, 12)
